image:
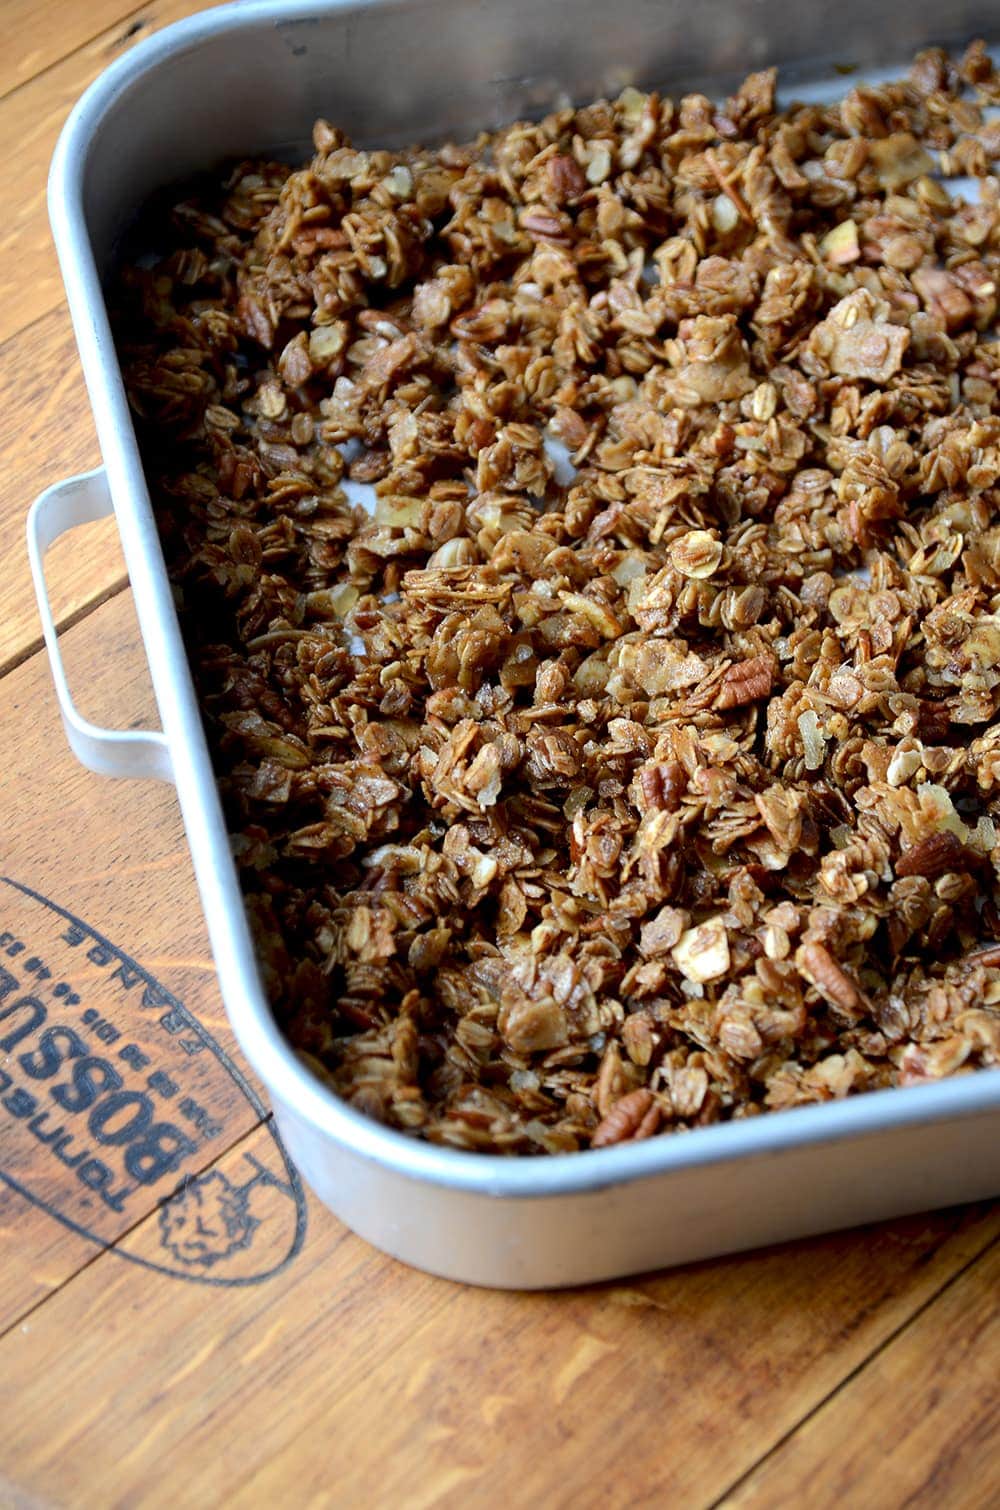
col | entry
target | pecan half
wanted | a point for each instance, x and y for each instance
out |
(566, 178)
(819, 967)
(545, 226)
(746, 682)
(662, 786)
(989, 958)
(634, 1117)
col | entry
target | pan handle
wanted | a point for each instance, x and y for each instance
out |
(110, 752)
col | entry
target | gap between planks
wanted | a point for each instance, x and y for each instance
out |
(68, 621)
(745, 1478)
(257, 1482)
(33, 114)
(103, 1250)
(105, 24)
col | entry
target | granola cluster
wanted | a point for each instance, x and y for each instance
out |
(588, 544)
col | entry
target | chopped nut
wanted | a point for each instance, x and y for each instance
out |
(813, 740)
(899, 159)
(906, 762)
(776, 942)
(725, 215)
(934, 856)
(840, 246)
(702, 953)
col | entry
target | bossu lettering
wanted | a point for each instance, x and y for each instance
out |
(78, 1105)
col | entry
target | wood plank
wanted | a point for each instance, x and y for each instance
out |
(113, 855)
(46, 433)
(30, 285)
(921, 1421)
(643, 1394)
(38, 1257)
(37, 33)
(345, 1369)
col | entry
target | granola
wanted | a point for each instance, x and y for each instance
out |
(587, 543)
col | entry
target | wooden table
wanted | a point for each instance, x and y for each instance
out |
(241, 1346)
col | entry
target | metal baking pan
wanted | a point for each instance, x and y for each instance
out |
(252, 77)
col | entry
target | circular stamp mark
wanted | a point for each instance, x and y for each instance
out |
(115, 1103)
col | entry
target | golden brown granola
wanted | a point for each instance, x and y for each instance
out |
(634, 762)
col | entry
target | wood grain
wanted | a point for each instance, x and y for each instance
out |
(653, 1393)
(920, 1422)
(113, 854)
(645, 1394)
(33, 116)
(46, 433)
(39, 32)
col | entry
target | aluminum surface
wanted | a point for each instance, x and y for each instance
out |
(252, 77)
(109, 752)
